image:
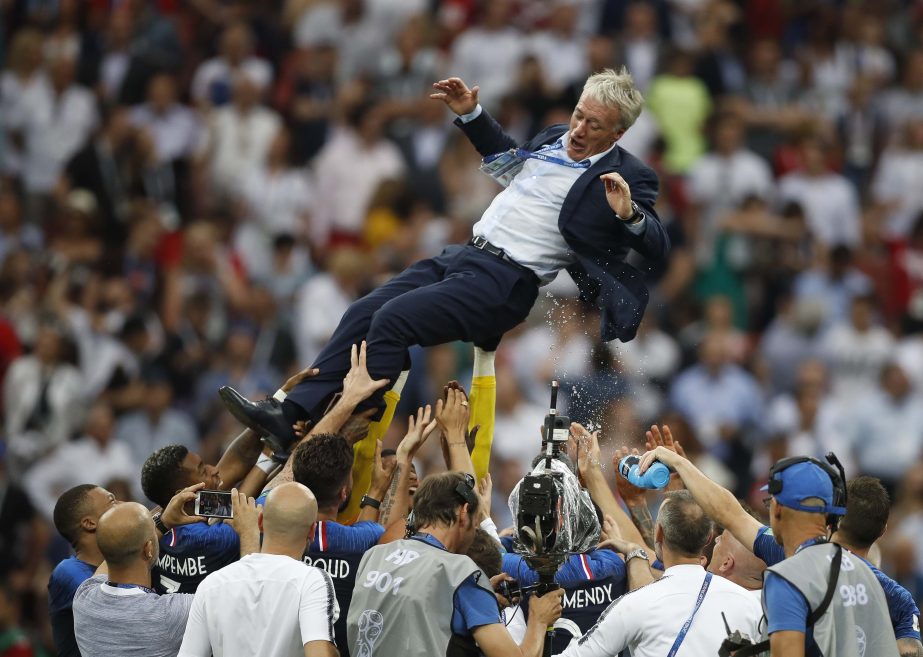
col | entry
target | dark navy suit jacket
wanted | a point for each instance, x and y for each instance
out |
(600, 241)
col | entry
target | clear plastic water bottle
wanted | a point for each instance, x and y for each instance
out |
(657, 476)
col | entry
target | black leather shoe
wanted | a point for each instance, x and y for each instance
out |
(265, 417)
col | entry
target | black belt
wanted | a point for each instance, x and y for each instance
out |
(482, 244)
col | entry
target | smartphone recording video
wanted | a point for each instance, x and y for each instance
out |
(213, 504)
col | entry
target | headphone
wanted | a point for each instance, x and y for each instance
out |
(466, 490)
(837, 475)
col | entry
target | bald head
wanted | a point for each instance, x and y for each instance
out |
(735, 562)
(122, 534)
(289, 513)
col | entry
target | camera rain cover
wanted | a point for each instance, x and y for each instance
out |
(573, 518)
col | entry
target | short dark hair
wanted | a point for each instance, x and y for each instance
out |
(161, 474)
(686, 528)
(485, 552)
(867, 509)
(436, 500)
(323, 464)
(69, 509)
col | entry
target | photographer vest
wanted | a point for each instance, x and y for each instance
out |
(856, 624)
(403, 601)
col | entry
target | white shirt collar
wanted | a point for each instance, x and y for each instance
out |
(565, 138)
(684, 568)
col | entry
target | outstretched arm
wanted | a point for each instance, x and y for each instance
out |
(482, 130)
(719, 503)
(595, 481)
(357, 386)
(240, 457)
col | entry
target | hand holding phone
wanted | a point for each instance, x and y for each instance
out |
(213, 504)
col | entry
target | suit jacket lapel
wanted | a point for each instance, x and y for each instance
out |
(609, 163)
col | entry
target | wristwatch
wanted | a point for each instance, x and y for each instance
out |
(635, 216)
(369, 501)
(158, 523)
(640, 553)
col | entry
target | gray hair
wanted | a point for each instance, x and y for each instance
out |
(686, 528)
(616, 89)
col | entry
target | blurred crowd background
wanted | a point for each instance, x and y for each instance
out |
(191, 194)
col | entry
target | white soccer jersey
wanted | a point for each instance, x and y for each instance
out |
(648, 620)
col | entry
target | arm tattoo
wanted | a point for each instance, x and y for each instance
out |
(385, 514)
(641, 516)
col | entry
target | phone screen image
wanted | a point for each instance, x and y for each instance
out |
(213, 504)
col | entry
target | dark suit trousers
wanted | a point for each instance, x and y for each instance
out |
(462, 294)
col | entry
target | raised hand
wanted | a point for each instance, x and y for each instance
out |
(358, 384)
(628, 492)
(245, 512)
(453, 415)
(418, 430)
(587, 444)
(381, 474)
(618, 194)
(456, 95)
(484, 490)
(655, 439)
(175, 514)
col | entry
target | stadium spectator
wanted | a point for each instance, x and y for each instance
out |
(174, 127)
(42, 398)
(156, 424)
(238, 137)
(95, 457)
(214, 82)
(350, 167)
(831, 204)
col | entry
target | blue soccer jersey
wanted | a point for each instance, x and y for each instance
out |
(338, 549)
(905, 616)
(188, 553)
(66, 577)
(591, 582)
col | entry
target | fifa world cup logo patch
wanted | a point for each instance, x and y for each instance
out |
(370, 624)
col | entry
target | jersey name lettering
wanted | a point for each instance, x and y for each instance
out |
(336, 568)
(586, 597)
(190, 566)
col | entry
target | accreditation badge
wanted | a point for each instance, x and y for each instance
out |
(503, 167)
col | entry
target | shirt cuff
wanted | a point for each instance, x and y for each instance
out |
(471, 116)
(639, 227)
(490, 527)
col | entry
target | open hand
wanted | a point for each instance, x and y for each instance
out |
(418, 430)
(587, 444)
(453, 415)
(358, 384)
(381, 474)
(456, 95)
(655, 439)
(618, 194)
